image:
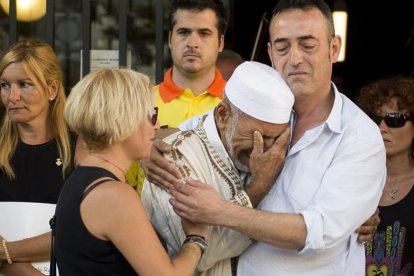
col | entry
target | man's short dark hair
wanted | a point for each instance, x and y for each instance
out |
(285, 5)
(200, 5)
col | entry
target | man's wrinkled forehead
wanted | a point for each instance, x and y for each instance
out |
(282, 23)
(194, 11)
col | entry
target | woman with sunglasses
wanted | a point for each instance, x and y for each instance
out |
(390, 103)
(101, 225)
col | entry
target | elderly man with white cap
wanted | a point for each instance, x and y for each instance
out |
(234, 148)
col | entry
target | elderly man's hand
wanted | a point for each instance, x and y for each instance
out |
(265, 166)
(366, 231)
(157, 169)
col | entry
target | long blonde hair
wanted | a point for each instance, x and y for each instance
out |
(39, 61)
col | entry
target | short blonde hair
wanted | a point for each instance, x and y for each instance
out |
(107, 106)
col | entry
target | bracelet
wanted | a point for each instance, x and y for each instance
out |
(198, 240)
(6, 252)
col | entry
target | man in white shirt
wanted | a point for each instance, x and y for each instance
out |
(333, 174)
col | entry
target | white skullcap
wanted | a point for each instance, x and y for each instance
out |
(259, 91)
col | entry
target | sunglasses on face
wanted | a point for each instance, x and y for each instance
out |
(154, 117)
(392, 120)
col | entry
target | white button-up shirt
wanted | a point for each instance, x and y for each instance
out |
(333, 176)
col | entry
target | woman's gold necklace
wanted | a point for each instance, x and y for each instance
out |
(109, 162)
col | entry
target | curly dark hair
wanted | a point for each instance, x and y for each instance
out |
(375, 94)
(200, 5)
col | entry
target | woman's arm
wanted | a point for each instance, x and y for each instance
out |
(114, 212)
(34, 249)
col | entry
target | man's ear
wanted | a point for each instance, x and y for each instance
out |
(221, 43)
(169, 39)
(269, 52)
(222, 115)
(336, 45)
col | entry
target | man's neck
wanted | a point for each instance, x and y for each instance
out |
(312, 112)
(197, 82)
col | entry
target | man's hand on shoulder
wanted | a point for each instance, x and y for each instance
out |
(159, 170)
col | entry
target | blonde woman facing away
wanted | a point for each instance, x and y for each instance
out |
(101, 225)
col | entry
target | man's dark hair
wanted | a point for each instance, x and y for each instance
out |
(200, 5)
(285, 5)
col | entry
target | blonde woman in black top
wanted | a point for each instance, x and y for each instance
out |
(101, 225)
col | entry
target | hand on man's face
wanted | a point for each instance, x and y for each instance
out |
(268, 162)
(266, 165)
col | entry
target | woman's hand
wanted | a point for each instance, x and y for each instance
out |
(191, 228)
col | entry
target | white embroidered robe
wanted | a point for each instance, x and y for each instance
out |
(200, 154)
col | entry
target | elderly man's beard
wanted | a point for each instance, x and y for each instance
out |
(229, 133)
